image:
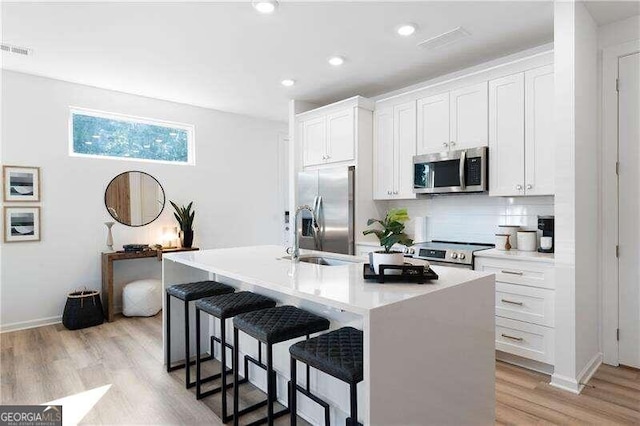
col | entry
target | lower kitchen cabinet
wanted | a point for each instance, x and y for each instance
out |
(525, 305)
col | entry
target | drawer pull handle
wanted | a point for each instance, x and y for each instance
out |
(519, 339)
(512, 272)
(512, 302)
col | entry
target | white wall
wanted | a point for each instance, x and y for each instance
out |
(619, 32)
(576, 200)
(234, 186)
(473, 217)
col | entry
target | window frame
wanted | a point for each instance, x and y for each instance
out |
(189, 128)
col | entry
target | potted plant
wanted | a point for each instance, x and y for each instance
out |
(185, 216)
(392, 232)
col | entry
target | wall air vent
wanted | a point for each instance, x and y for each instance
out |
(15, 49)
(444, 39)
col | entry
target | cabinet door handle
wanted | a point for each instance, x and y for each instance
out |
(529, 186)
(511, 302)
(519, 187)
(518, 339)
(452, 143)
(445, 145)
(512, 272)
(328, 156)
(324, 157)
(395, 192)
(389, 192)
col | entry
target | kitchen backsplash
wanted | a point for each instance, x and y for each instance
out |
(474, 217)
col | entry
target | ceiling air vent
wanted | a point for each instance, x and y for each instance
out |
(444, 39)
(15, 49)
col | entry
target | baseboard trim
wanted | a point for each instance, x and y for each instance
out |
(24, 325)
(565, 383)
(589, 370)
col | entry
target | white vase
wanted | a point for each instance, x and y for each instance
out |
(109, 236)
(382, 258)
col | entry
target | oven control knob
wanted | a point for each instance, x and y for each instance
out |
(462, 256)
(454, 255)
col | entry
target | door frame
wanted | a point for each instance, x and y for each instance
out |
(609, 198)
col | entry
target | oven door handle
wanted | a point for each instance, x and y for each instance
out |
(463, 178)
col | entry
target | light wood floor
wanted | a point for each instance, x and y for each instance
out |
(48, 363)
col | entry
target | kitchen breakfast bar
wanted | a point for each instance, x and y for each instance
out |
(428, 348)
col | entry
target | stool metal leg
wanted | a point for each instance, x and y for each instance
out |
(270, 388)
(223, 369)
(187, 357)
(198, 362)
(167, 343)
(353, 389)
(234, 366)
(293, 393)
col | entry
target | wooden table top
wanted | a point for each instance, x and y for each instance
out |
(122, 255)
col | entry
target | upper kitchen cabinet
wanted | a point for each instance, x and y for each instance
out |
(433, 124)
(394, 141)
(328, 134)
(468, 117)
(453, 120)
(521, 160)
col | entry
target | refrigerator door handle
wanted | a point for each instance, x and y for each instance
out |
(317, 210)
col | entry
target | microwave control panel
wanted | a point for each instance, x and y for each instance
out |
(473, 170)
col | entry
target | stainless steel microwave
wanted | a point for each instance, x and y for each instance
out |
(463, 170)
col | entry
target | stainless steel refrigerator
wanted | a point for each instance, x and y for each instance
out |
(330, 193)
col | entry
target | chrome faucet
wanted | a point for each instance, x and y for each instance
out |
(295, 250)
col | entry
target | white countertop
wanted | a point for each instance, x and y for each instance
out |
(341, 286)
(532, 256)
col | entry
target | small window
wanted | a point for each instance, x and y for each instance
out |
(116, 136)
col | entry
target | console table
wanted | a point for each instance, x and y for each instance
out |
(107, 271)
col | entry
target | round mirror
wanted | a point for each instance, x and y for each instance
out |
(134, 198)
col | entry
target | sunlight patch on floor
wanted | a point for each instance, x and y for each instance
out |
(75, 407)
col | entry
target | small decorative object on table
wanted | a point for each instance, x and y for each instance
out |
(135, 248)
(109, 235)
(392, 233)
(83, 309)
(185, 216)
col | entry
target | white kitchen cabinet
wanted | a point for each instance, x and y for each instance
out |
(314, 141)
(468, 117)
(539, 139)
(506, 136)
(394, 148)
(340, 136)
(433, 124)
(522, 160)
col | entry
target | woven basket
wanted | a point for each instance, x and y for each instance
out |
(83, 309)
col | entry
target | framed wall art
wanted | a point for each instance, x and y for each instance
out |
(21, 224)
(21, 184)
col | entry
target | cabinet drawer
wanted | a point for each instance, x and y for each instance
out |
(535, 274)
(529, 304)
(531, 341)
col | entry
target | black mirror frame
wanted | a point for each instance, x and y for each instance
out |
(164, 201)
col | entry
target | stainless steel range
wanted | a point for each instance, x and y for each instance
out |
(447, 253)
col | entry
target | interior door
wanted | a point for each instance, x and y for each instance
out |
(383, 157)
(314, 141)
(469, 117)
(506, 135)
(539, 138)
(629, 209)
(340, 136)
(404, 119)
(433, 124)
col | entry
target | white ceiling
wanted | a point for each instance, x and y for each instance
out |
(228, 57)
(606, 12)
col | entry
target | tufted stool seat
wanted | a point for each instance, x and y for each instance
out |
(187, 293)
(337, 353)
(222, 307)
(271, 326)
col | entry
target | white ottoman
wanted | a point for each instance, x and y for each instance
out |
(142, 298)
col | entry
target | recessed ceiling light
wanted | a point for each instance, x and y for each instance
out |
(406, 30)
(288, 82)
(265, 6)
(336, 61)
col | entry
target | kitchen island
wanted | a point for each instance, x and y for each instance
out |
(428, 348)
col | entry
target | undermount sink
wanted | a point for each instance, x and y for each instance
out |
(322, 260)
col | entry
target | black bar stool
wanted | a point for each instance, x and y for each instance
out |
(337, 353)
(187, 293)
(223, 307)
(270, 326)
